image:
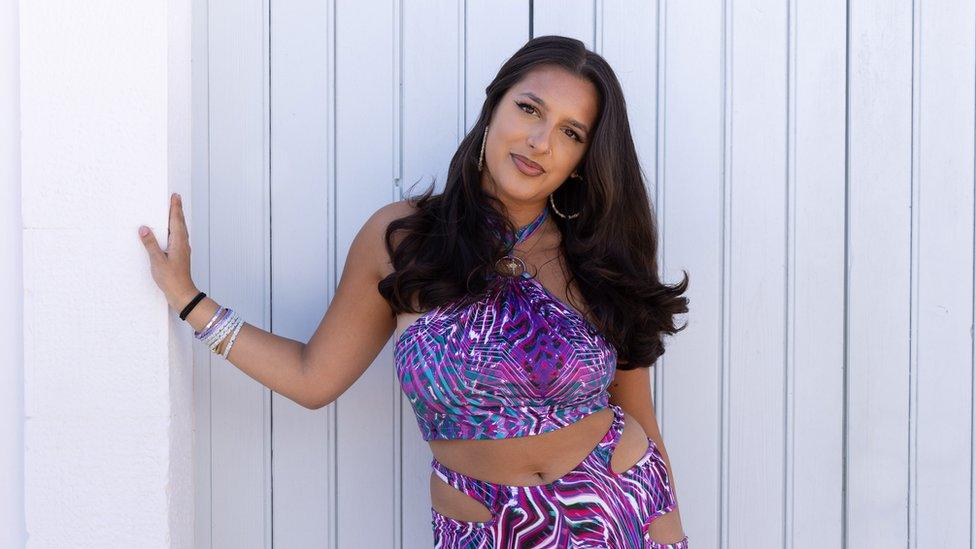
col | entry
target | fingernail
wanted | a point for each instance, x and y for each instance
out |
(143, 231)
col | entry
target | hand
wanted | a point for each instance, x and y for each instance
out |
(171, 268)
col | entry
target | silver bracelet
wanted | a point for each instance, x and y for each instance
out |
(221, 332)
(223, 322)
(213, 333)
(233, 337)
(216, 315)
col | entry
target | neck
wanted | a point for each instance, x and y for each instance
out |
(521, 217)
(519, 214)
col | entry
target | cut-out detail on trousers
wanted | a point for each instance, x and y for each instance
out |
(590, 506)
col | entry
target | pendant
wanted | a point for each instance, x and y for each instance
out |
(510, 266)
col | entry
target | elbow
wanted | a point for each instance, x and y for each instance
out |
(309, 398)
(316, 392)
(317, 401)
(316, 404)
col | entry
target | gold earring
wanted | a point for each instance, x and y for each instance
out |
(484, 141)
(559, 213)
(552, 202)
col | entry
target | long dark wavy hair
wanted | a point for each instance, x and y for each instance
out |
(447, 245)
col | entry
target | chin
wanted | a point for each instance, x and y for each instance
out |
(520, 190)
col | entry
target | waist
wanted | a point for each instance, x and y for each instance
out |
(526, 460)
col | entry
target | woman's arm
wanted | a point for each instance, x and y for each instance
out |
(359, 321)
(271, 360)
(631, 390)
(354, 329)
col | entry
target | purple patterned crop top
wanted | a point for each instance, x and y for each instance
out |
(517, 362)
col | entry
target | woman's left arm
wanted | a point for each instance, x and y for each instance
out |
(631, 390)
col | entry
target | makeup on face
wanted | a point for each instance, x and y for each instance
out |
(526, 166)
(579, 136)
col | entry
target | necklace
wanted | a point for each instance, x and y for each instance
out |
(512, 265)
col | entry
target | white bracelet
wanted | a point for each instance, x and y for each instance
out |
(214, 334)
(223, 331)
(233, 337)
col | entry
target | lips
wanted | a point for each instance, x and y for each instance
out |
(527, 166)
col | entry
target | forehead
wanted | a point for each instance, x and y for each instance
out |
(564, 93)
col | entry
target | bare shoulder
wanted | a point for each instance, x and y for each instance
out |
(392, 211)
(358, 321)
(376, 226)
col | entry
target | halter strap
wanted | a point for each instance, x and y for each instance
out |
(525, 231)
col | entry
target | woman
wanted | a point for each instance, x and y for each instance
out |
(526, 308)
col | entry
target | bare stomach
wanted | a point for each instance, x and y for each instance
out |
(529, 460)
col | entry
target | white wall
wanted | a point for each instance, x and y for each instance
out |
(811, 164)
(105, 111)
(12, 531)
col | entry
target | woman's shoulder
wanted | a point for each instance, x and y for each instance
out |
(394, 210)
(377, 225)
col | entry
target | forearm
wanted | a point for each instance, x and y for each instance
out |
(649, 423)
(631, 391)
(667, 463)
(271, 360)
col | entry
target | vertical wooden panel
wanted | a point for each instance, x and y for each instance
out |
(239, 260)
(879, 266)
(943, 228)
(757, 270)
(365, 95)
(493, 32)
(689, 176)
(430, 134)
(432, 115)
(198, 221)
(303, 265)
(622, 39)
(815, 354)
(573, 18)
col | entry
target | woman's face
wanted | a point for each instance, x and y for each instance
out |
(547, 118)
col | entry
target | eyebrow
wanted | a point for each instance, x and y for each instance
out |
(572, 121)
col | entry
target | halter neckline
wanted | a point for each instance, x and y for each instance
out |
(526, 231)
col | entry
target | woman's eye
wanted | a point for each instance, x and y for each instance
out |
(523, 105)
(575, 136)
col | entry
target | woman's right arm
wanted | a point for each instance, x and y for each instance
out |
(356, 326)
(359, 321)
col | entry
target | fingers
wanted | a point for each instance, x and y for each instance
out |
(177, 232)
(177, 222)
(149, 241)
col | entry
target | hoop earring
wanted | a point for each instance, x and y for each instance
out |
(559, 213)
(484, 141)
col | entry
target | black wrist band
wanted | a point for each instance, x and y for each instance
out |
(191, 305)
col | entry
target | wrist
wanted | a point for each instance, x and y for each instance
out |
(182, 298)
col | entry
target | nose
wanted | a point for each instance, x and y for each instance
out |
(540, 141)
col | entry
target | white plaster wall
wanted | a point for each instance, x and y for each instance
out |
(11, 283)
(107, 370)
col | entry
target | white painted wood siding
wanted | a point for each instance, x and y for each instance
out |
(812, 169)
